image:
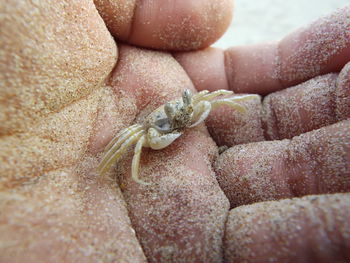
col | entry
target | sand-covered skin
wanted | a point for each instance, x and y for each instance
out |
(66, 217)
(165, 24)
(53, 62)
(58, 113)
(343, 94)
(310, 229)
(319, 48)
(181, 216)
(118, 16)
(41, 65)
(247, 173)
(226, 125)
(316, 103)
(205, 68)
(58, 140)
(302, 108)
(252, 68)
(229, 127)
(313, 163)
(64, 214)
(316, 49)
(323, 46)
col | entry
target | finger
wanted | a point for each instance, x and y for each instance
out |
(313, 104)
(206, 68)
(342, 94)
(317, 162)
(320, 48)
(179, 25)
(184, 206)
(229, 127)
(226, 126)
(300, 109)
(41, 50)
(310, 229)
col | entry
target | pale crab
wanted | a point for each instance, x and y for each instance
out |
(165, 125)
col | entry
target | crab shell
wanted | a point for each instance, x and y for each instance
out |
(158, 119)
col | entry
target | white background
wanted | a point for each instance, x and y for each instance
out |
(258, 21)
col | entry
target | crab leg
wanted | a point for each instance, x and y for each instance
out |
(118, 140)
(199, 95)
(232, 102)
(201, 112)
(187, 97)
(121, 135)
(216, 93)
(244, 97)
(229, 102)
(136, 161)
(116, 152)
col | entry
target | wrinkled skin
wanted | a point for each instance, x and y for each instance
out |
(67, 87)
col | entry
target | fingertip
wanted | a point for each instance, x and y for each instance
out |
(242, 69)
(253, 172)
(167, 25)
(181, 25)
(320, 48)
(118, 16)
(299, 109)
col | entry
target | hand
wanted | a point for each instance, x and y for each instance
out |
(54, 206)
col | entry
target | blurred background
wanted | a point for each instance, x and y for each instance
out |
(268, 20)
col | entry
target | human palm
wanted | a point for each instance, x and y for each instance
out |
(67, 89)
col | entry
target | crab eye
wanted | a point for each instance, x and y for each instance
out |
(162, 125)
(187, 97)
(169, 110)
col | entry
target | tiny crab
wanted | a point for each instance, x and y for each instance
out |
(165, 125)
